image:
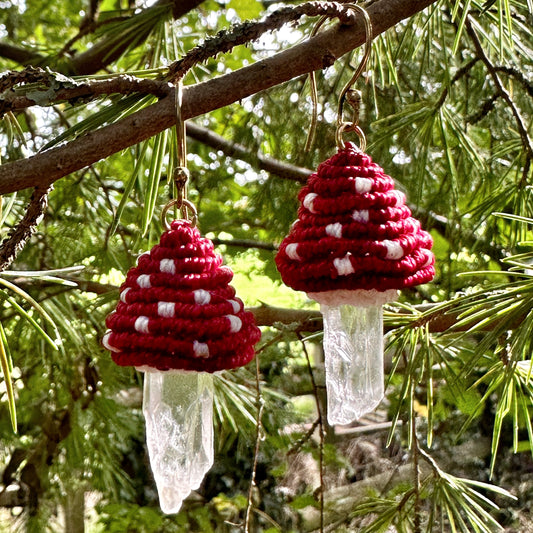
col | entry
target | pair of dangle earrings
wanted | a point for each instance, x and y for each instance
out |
(354, 245)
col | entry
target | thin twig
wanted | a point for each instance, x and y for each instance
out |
(225, 40)
(484, 109)
(258, 438)
(44, 87)
(238, 151)
(517, 75)
(463, 71)
(15, 242)
(416, 476)
(308, 434)
(268, 518)
(320, 429)
(522, 129)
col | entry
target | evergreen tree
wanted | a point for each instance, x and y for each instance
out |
(88, 143)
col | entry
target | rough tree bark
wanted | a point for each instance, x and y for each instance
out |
(317, 53)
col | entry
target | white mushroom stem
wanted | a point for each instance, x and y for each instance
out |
(178, 409)
(353, 351)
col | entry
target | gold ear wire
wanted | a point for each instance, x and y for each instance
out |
(348, 94)
(314, 93)
(180, 127)
(353, 97)
(181, 173)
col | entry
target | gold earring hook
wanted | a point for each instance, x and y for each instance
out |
(314, 92)
(348, 94)
(181, 173)
(180, 127)
(353, 97)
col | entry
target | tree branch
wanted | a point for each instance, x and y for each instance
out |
(238, 151)
(308, 320)
(316, 53)
(249, 31)
(519, 76)
(520, 123)
(50, 88)
(20, 55)
(463, 71)
(245, 243)
(438, 317)
(104, 52)
(13, 244)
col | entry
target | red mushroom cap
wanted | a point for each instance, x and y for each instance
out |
(354, 232)
(178, 311)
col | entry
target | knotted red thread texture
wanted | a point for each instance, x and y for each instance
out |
(178, 311)
(354, 232)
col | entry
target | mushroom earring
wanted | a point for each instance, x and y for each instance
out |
(178, 321)
(354, 245)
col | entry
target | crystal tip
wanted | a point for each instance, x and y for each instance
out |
(171, 498)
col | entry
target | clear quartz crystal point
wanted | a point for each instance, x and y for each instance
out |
(178, 409)
(353, 352)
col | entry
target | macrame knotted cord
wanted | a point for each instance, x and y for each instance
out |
(354, 231)
(178, 311)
